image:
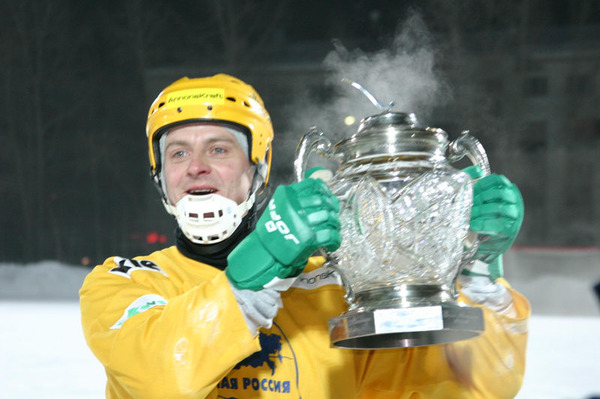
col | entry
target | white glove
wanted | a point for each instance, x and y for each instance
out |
(259, 308)
(475, 283)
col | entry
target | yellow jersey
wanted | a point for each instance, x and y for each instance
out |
(166, 326)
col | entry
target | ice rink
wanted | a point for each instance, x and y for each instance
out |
(43, 353)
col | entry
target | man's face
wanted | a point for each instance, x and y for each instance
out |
(204, 159)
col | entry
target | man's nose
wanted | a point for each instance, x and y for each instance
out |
(198, 165)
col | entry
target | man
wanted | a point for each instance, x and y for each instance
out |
(220, 315)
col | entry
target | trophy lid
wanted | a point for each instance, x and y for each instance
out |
(392, 134)
(389, 119)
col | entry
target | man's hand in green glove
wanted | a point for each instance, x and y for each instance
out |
(497, 212)
(299, 219)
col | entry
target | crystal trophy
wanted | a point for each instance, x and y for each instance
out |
(404, 213)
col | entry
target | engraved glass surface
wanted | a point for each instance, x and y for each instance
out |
(407, 231)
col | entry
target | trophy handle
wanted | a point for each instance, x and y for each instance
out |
(467, 145)
(313, 140)
(332, 264)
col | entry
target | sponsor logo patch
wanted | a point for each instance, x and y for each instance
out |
(138, 306)
(126, 266)
(318, 278)
(194, 96)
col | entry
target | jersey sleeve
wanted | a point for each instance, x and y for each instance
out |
(157, 340)
(490, 365)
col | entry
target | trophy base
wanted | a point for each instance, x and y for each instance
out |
(406, 327)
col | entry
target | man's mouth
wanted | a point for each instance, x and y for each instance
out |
(204, 191)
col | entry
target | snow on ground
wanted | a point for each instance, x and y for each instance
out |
(43, 353)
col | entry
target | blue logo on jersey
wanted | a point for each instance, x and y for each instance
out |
(271, 348)
(275, 354)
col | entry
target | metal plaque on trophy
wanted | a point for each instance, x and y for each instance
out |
(404, 213)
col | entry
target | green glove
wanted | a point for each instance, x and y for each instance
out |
(299, 219)
(497, 212)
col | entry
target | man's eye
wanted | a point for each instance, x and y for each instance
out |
(178, 154)
(219, 150)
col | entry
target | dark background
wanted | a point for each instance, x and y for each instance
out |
(77, 79)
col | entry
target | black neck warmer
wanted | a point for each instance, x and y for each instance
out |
(216, 254)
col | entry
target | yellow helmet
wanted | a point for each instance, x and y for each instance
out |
(220, 98)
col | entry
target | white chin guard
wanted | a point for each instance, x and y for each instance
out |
(209, 219)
